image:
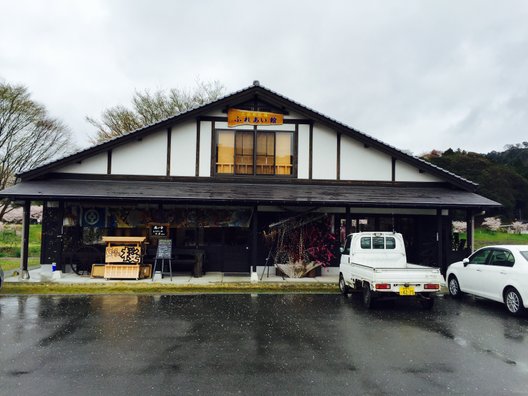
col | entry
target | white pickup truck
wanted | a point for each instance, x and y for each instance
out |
(375, 263)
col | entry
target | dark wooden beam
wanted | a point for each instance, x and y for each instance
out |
(109, 163)
(310, 154)
(393, 169)
(197, 173)
(295, 172)
(338, 156)
(213, 149)
(169, 149)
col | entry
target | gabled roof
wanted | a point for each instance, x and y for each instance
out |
(280, 101)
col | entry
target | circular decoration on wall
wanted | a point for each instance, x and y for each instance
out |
(91, 217)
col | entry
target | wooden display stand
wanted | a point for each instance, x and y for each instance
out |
(98, 271)
(123, 258)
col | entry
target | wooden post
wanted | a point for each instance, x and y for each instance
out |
(470, 227)
(254, 239)
(24, 251)
(348, 222)
(439, 239)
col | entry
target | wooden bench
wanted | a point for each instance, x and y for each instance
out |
(189, 258)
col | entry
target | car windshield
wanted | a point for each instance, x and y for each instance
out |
(525, 254)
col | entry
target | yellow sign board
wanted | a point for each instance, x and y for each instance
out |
(237, 117)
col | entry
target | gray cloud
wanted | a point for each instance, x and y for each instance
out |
(418, 75)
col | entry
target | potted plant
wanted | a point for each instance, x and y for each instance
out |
(303, 246)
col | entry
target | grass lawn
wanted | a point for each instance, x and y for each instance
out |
(9, 263)
(486, 237)
(10, 242)
(153, 288)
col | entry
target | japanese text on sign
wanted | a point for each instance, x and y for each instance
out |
(123, 254)
(244, 117)
(159, 230)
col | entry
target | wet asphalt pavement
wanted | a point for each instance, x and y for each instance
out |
(257, 344)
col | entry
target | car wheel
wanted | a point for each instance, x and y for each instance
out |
(454, 287)
(513, 301)
(368, 296)
(345, 289)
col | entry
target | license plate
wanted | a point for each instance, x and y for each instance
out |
(407, 291)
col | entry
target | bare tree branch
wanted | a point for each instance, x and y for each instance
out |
(151, 107)
(28, 135)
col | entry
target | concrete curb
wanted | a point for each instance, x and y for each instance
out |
(16, 271)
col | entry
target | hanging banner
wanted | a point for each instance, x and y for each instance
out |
(237, 117)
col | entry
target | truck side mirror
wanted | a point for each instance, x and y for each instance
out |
(342, 249)
(465, 262)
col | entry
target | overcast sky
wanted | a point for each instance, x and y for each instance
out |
(418, 75)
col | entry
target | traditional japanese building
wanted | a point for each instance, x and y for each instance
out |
(216, 177)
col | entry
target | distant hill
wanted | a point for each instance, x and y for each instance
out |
(502, 176)
(515, 156)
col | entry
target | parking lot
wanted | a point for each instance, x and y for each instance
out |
(257, 344)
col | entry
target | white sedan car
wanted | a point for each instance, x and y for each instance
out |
(499, 273)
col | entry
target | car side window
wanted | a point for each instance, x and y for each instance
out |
(480, 257)
(390, 243)
(502, 258)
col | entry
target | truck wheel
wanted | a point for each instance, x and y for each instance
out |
(427, 302)
(345, 289)
(454, 287)
(368, 296)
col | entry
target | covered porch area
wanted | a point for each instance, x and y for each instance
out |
(226, 219)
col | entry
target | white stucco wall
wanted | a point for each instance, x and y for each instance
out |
(360, 163)
(283, 127)
(324, 151)
(147, 156)
(223, 125)
(408, 173)
(205, 148)
(93, 165)
(303, 159)
(183, 149)
(294, 116)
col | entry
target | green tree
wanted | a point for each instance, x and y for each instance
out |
(514, 155)
(497, 181)
(28, 135)
(150, 107)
